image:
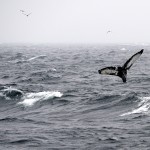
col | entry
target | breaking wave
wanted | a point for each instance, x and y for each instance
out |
(33, 58)
(23, 60)
(10, 92)
(143, 107)
(31, 98)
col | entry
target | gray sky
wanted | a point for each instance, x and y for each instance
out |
(75, 21)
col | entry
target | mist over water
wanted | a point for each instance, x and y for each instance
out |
(52, 97)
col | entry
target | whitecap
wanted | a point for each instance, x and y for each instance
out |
(53, 69)
(40, 56)
(31, 98)
(143, 107)
(123, 49)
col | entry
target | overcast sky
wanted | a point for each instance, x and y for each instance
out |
(75, 21)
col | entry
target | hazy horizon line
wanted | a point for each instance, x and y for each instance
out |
(75, 43)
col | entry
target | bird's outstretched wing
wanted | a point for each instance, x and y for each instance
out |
(130, 61)
(29, 14)
(22, 11)
(109, 71)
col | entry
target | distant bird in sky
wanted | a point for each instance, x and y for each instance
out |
(24, 13)
(108, 31)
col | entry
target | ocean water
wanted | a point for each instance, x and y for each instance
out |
(52, 97)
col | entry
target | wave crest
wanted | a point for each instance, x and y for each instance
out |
(31, 98)
(12, 92)
(143, 107)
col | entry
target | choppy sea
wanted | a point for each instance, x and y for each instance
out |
(52, 98)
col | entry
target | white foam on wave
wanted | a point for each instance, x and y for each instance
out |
(123, 49)
(40, 56)
(31, 98)
(53, 69)
(10, 92)
(143, 107)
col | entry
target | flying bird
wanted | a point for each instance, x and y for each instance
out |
(121, 71)
(108, 31)
(25, 13)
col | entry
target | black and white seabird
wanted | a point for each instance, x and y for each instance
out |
(121, 71)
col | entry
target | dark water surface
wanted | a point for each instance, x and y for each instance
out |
(52, 97)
